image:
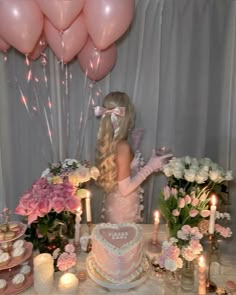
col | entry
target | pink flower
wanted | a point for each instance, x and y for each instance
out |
(195, 202)
(44, 206)
(205, 213)
(174, 191)
(69, 248)
(58, 204)
(193, 213)
(203, 197)
(66, 261)
(181, 203)
(72, 203)
(187, 199)
(175, 212)
(166, 192)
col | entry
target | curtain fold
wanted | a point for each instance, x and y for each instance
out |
(176, 62)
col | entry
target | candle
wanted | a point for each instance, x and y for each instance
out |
(201, 276)
(155, 229)
(211, 228)
(43, 273)
(88, 207)
(77, 224)
(68, 284)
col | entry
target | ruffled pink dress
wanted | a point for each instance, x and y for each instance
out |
(119, 209)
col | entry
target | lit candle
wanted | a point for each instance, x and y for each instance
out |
(77, 224)
(68, 284)
(155, 229)
(211, 228)
(201, 276)
(43, 273)
(88, 207)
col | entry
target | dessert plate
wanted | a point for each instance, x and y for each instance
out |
(100, 280)
(19, 233)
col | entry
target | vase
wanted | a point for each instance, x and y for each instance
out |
(172, 283)
(187, 276)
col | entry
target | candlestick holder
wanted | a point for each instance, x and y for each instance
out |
(153, 246)
(210, 285)
(89, 246)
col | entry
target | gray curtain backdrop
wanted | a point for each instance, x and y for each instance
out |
(177, 63)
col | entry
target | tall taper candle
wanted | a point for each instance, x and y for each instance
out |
(88, 207)
(77, 224)
(211, 228)
(155, 228)
(201, 276)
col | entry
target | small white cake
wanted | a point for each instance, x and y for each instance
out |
(18, 280)
(18, 243)
(18, 253)
(25, 270)
(4, 259)
(6, 246)
(3, 285)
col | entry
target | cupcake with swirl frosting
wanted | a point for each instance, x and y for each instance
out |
(4, 259)
(18, 280)
(18, 253)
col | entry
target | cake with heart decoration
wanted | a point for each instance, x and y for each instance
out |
(117, 251)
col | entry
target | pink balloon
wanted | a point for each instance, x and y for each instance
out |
(4, 46)
(21, 23)
(61, 13)
(97, 64)
(107, 20)
(39, 48)
(67, 44)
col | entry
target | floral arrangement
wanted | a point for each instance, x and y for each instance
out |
(185, 199)
(51, 203)
(65, 259)
(186, 247)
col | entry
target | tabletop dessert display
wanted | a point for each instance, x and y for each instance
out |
(15, 258)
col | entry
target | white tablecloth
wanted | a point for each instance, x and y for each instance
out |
(221, 273)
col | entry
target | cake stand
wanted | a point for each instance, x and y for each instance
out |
(100, 280)
(8, 271)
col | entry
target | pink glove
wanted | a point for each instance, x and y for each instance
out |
(128, 185)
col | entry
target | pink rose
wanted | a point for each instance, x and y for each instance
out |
(58, 204)
(72, 203)
(69, 248)
(44, 206)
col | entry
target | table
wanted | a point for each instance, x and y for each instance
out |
(221, 273)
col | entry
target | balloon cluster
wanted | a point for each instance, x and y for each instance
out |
(87, 29)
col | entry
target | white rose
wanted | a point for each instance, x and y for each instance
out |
(167, 170)
(189, 175)
(206, 162)
(215, 175)
(178, 173)
(201, 176)
(228, 175)
(187, 160)
(45, 172)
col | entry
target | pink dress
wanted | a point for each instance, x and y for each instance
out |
(119, 209)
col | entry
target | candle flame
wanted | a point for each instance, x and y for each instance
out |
(213, 200)
(202, 260)
(156, 215)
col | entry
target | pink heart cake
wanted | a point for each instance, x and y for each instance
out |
(117, 251)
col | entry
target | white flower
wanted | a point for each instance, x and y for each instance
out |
(167, 169)
(178, 173)
(201, 176)
(228, 175)
(170, 264)
(189, 175)
(45, 172)
(187, 160)
(206, 162)
(215, 176)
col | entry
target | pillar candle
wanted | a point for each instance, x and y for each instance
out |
(88, 207)
(155, 228)
(68, 284)
(43, 273)
(211, 228)
(201, 276)
(77, 224)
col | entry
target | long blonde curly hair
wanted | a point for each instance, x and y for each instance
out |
(107, 139)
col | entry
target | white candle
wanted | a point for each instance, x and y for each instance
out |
(43, 273)
(201, 276)
(68, 284)
(88, 207)
(77, 224)
(211, 228)
(155, 228)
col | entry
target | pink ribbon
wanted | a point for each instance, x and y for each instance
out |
(99, 111)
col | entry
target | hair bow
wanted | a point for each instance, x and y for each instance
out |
(99, 111)
(118, 111)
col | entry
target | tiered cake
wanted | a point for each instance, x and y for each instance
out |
(117, 252)
(15, 259)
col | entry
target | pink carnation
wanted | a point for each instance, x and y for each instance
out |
(66, 261)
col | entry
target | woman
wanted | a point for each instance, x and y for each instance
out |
(120, 174)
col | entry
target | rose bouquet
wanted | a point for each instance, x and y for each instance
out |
(51, 203)
(185, 199)
(65, 259)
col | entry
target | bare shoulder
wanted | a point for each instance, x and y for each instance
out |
(123, 159)
(123, 148)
